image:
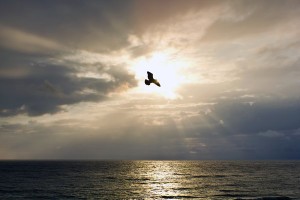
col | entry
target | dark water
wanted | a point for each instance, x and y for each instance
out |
(150, 179)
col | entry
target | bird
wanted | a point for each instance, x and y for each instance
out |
(151, 79)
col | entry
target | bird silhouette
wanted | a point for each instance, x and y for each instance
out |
(151, 80)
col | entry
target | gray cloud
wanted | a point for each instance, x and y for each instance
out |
(34, 79)
(42, 88)
(246, 18)
(151, 13)
(199, 137)
(279, 115)
(26, 42)
(140, 50)
(93, 26)
(248, 107)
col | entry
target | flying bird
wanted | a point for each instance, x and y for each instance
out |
(151, 80)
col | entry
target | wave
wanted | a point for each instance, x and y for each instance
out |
(267, 198)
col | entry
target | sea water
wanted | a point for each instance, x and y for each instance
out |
(150, 179)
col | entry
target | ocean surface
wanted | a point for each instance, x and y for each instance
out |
(150, 180)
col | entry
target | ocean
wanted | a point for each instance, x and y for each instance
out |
(150, 180)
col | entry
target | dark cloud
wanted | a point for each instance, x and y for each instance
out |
(28, 86)
(94, 25)
(34, 36)
(278, 115)
(235, 130)
(248, 107)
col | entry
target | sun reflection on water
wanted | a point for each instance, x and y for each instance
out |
(159, 180)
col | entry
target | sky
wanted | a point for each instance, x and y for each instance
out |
(72, 79)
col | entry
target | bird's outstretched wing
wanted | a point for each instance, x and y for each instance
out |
(156, 82)
(147, 82)
(150, 76)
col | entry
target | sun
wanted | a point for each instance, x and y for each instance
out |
(166, 68)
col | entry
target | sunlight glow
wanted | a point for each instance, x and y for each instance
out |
(165, 68)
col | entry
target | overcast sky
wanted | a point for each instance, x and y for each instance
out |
(72, 79)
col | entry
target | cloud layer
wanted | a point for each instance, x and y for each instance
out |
(70, 81)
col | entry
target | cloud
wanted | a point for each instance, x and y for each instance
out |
(239, 97)
(121, 139)
(92, 26)
(109, 139)
(39, 76)
(270, 133)
(45, 87)
(244, 19)
(262, 116)
(24, 42)
(148, 14)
